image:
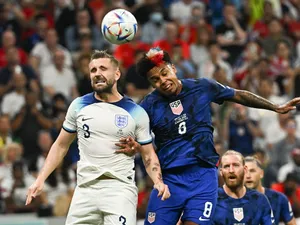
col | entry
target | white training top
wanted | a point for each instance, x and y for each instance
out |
(99, 125)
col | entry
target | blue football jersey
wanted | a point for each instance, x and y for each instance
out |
(252, 209)
(182, 124)
(281, 206)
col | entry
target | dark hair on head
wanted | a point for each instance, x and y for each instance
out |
(102, 54)
(254, 160)
(145, 64)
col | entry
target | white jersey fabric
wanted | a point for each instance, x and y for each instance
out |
(99, 125)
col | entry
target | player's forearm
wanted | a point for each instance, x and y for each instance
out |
(55, 156)
(152, 167)
(252, 100)
(291, 222)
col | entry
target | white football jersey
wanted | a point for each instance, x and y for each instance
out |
(99, 125)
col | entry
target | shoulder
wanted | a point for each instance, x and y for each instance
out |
(257, 196)
(83, 101)
(135, 110)
(221, 193)
(275, 194)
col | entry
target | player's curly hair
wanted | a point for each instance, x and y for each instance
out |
(154, 57)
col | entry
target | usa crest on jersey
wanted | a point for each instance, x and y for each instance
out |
(121, 121)
(151, 217)
(176, 107)
(238, 214)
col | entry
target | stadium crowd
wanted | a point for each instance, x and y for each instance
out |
(45, 50)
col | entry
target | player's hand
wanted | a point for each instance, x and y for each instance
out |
(34, 190)
(163, 190)
(128, 146)
(291, 105)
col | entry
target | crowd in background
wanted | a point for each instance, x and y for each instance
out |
(45, 49)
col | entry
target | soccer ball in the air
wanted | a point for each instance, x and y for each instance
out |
(119, 26)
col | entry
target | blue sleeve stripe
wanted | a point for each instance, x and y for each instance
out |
(145, 142)
(69, 130)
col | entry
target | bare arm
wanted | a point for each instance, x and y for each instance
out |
(292, 222)
(57, 152)
(252, 100)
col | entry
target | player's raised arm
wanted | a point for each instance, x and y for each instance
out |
(252, 100)
(57, 152)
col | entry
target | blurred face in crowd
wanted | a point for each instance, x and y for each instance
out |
(19, 80)
(268, 9)
(31, 98)
(86, 44)
(59, 59)
(4, 125)
(164, 79)
(84, 66)
(45, 141)
(214, 51)
(265, 88)
(83, 18)
(41, 27)
(233, 171)
(275, 27)
(14, 152)
(291, 127)
(253, 176)
(104, 75)
(51, 38)
(283, 50)
(203, 36)
(8, 39)
(172, 32)
(229, 11)
(12, 56)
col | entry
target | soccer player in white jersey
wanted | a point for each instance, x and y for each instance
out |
(106, 192)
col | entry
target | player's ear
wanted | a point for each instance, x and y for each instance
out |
(174, 68)
(118, 74)
(245, 169)
(262, 174)
(221, 172)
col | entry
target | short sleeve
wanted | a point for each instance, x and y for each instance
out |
(143, 135)
(69, 124)
(219, 92)
(286, 209)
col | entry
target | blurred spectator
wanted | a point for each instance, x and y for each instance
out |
(200, 49)
(67, 16)
(41, 54)
(290, 187)
(276, 34)
(180, 11)
(172, 38)
(14, 66)
(16, 189)
(9, 23)
(13, 101)
(5, 134)
(85, 48)
(41, 26)
(208, 67)
(260, 27)
(281, 152)
(83, 27)
(9, 40)
(291, 167)
(154, 29)
(28, 122)
(58, 78)
(240, 130)
(83, 75)
(231, 33)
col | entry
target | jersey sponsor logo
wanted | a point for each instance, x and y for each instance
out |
(176, 107)
(238, 214)
(121, 121)
(151, 217)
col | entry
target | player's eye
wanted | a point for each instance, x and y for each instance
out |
(93, 70)
(164, 74)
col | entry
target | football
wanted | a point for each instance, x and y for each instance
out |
(119, 26)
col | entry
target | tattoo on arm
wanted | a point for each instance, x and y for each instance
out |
(252, 100)
(147, 162)
(154, 169)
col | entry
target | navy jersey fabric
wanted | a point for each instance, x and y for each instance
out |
(182, 124)
(280, 205)
(252, 209)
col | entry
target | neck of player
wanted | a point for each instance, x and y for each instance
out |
(260, 189)
(237, 192)
(114, 96)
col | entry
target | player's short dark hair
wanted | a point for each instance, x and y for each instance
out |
(232, 152)
(102, 54)
(144, 65)
(254, 160)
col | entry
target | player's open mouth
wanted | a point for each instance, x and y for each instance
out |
(232, 177)
(168, 87)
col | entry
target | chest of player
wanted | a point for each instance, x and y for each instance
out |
(179, 116)
(105, 122)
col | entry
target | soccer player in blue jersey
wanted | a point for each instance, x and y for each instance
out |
(280, 204)
(106, 193)
(180, 118)
(236, 204)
